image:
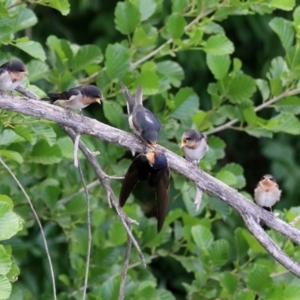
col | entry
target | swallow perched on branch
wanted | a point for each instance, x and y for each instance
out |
(76, 98)
(267, 192)
(141, 120)
(11, 74)
(194, 145)
(153, 167)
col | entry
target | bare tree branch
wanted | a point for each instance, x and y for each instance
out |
(204, 181)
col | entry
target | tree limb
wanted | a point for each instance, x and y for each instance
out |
(204, 181)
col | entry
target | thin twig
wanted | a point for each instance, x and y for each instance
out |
(77, 138)
(258, 108)
(125, 269)
(89, 231)
(198, 197)
(39, 224)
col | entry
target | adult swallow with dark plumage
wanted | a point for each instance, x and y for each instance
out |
(11, 74)
(194, 145)
(153, 167)
(141, 120)
(267, 192)
(76, 98)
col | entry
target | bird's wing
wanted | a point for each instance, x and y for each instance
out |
(161, 182)
(138, 170)
(2, 70)
(66, 95)
(129, 98)
(143, 118)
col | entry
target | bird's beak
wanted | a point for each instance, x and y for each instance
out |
(153, 147)
(183, 143)
(151, 157)
(26, 72)
(98, 100)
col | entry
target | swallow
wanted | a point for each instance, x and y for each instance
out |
(194, 145)
(76, 98)
(153, 167)
(11, 74)
(141, 120)
(267, 192)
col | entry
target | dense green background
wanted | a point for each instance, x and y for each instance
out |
(199, 82)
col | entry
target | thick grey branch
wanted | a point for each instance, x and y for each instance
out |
(84, 125)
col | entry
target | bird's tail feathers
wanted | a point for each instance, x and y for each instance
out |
(139, 95)
(129, 98)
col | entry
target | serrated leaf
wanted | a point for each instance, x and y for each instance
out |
(5, 261)
(284, 30)
(241, 244)
(291, 292)
(113, 112)
(86, 55)
(117, 60)
(172, 71)
(10, 223)
(13, 155)
(46, 132)
(117, 235)
(76, 206)
(215, 152)
(278, 70)
(37, 70)
(289, 105)
(145, 36)
(241, 88)
(127, 17)
(263, 88)
(175, 25)
(6, 199)
(259, 279)
(226, 177)
(219, 252)
(238, 171)
(5, 287)
(4, 207)
(25, 18)
(253, 244)
(66, 146)
(44, 154)
(229, 282)
(61, 47)
(146, 7)
(283, 4)
(8, 136)
(296, 15)
(61, 5)
(218, 65)
(32, 48)
(284, 122)
(218, 45)
(202, 236)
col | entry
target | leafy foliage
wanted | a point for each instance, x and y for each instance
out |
(201, 67)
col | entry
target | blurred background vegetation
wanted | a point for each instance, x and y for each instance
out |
(199, 255)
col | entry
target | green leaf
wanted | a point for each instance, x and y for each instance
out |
(278, 70)
(113, 112)
(86, 55)
(241, 88)
(202, 237)
(284, 30)
(219, 252)
(172, 71)
(10, 223)
(117, 234)
(146, 7)
(13, 155)
(37, 70)
(117, 60)
(241, 244)
(296, 15)
(61, 5)
(148, 79)
(5, 287)
(238, 171)
(61, 47)
(32, 48)
(46, 132)
(284, 122)
(175, 25)
(179, 5)
(253, 244)
(282, 4)
(218, 45)
(227, 177)
(66, 146)
(145, 36)
(25, 18)
(263, 88)
(6, 199)
(229, 282)
(289, 105)
(8, 136)
(44, 154)
(218, 65)
(127, 17)
(259, 279)
(291, 292)
(5, 261)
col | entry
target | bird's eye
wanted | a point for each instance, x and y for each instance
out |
(187, 139)
(272, 178)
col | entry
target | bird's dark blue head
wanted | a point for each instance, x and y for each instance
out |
(92, 91)
(150, 136)
(15, 65)
(157, 159)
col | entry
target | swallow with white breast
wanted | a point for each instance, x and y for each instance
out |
(194, 145)
(12, 74)
(153, 167)
(141, 120)
(76, 98)
(267, 192)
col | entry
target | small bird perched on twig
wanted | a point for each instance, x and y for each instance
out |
(194, 145)
(153, 167)
(141, 120)
(76, 98)
(11, 74)
(267, 192)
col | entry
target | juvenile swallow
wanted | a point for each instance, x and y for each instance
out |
(11, 75)
(194, 145)
(153, 167)
(141, 120)
(76, 98)
(267, 192)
